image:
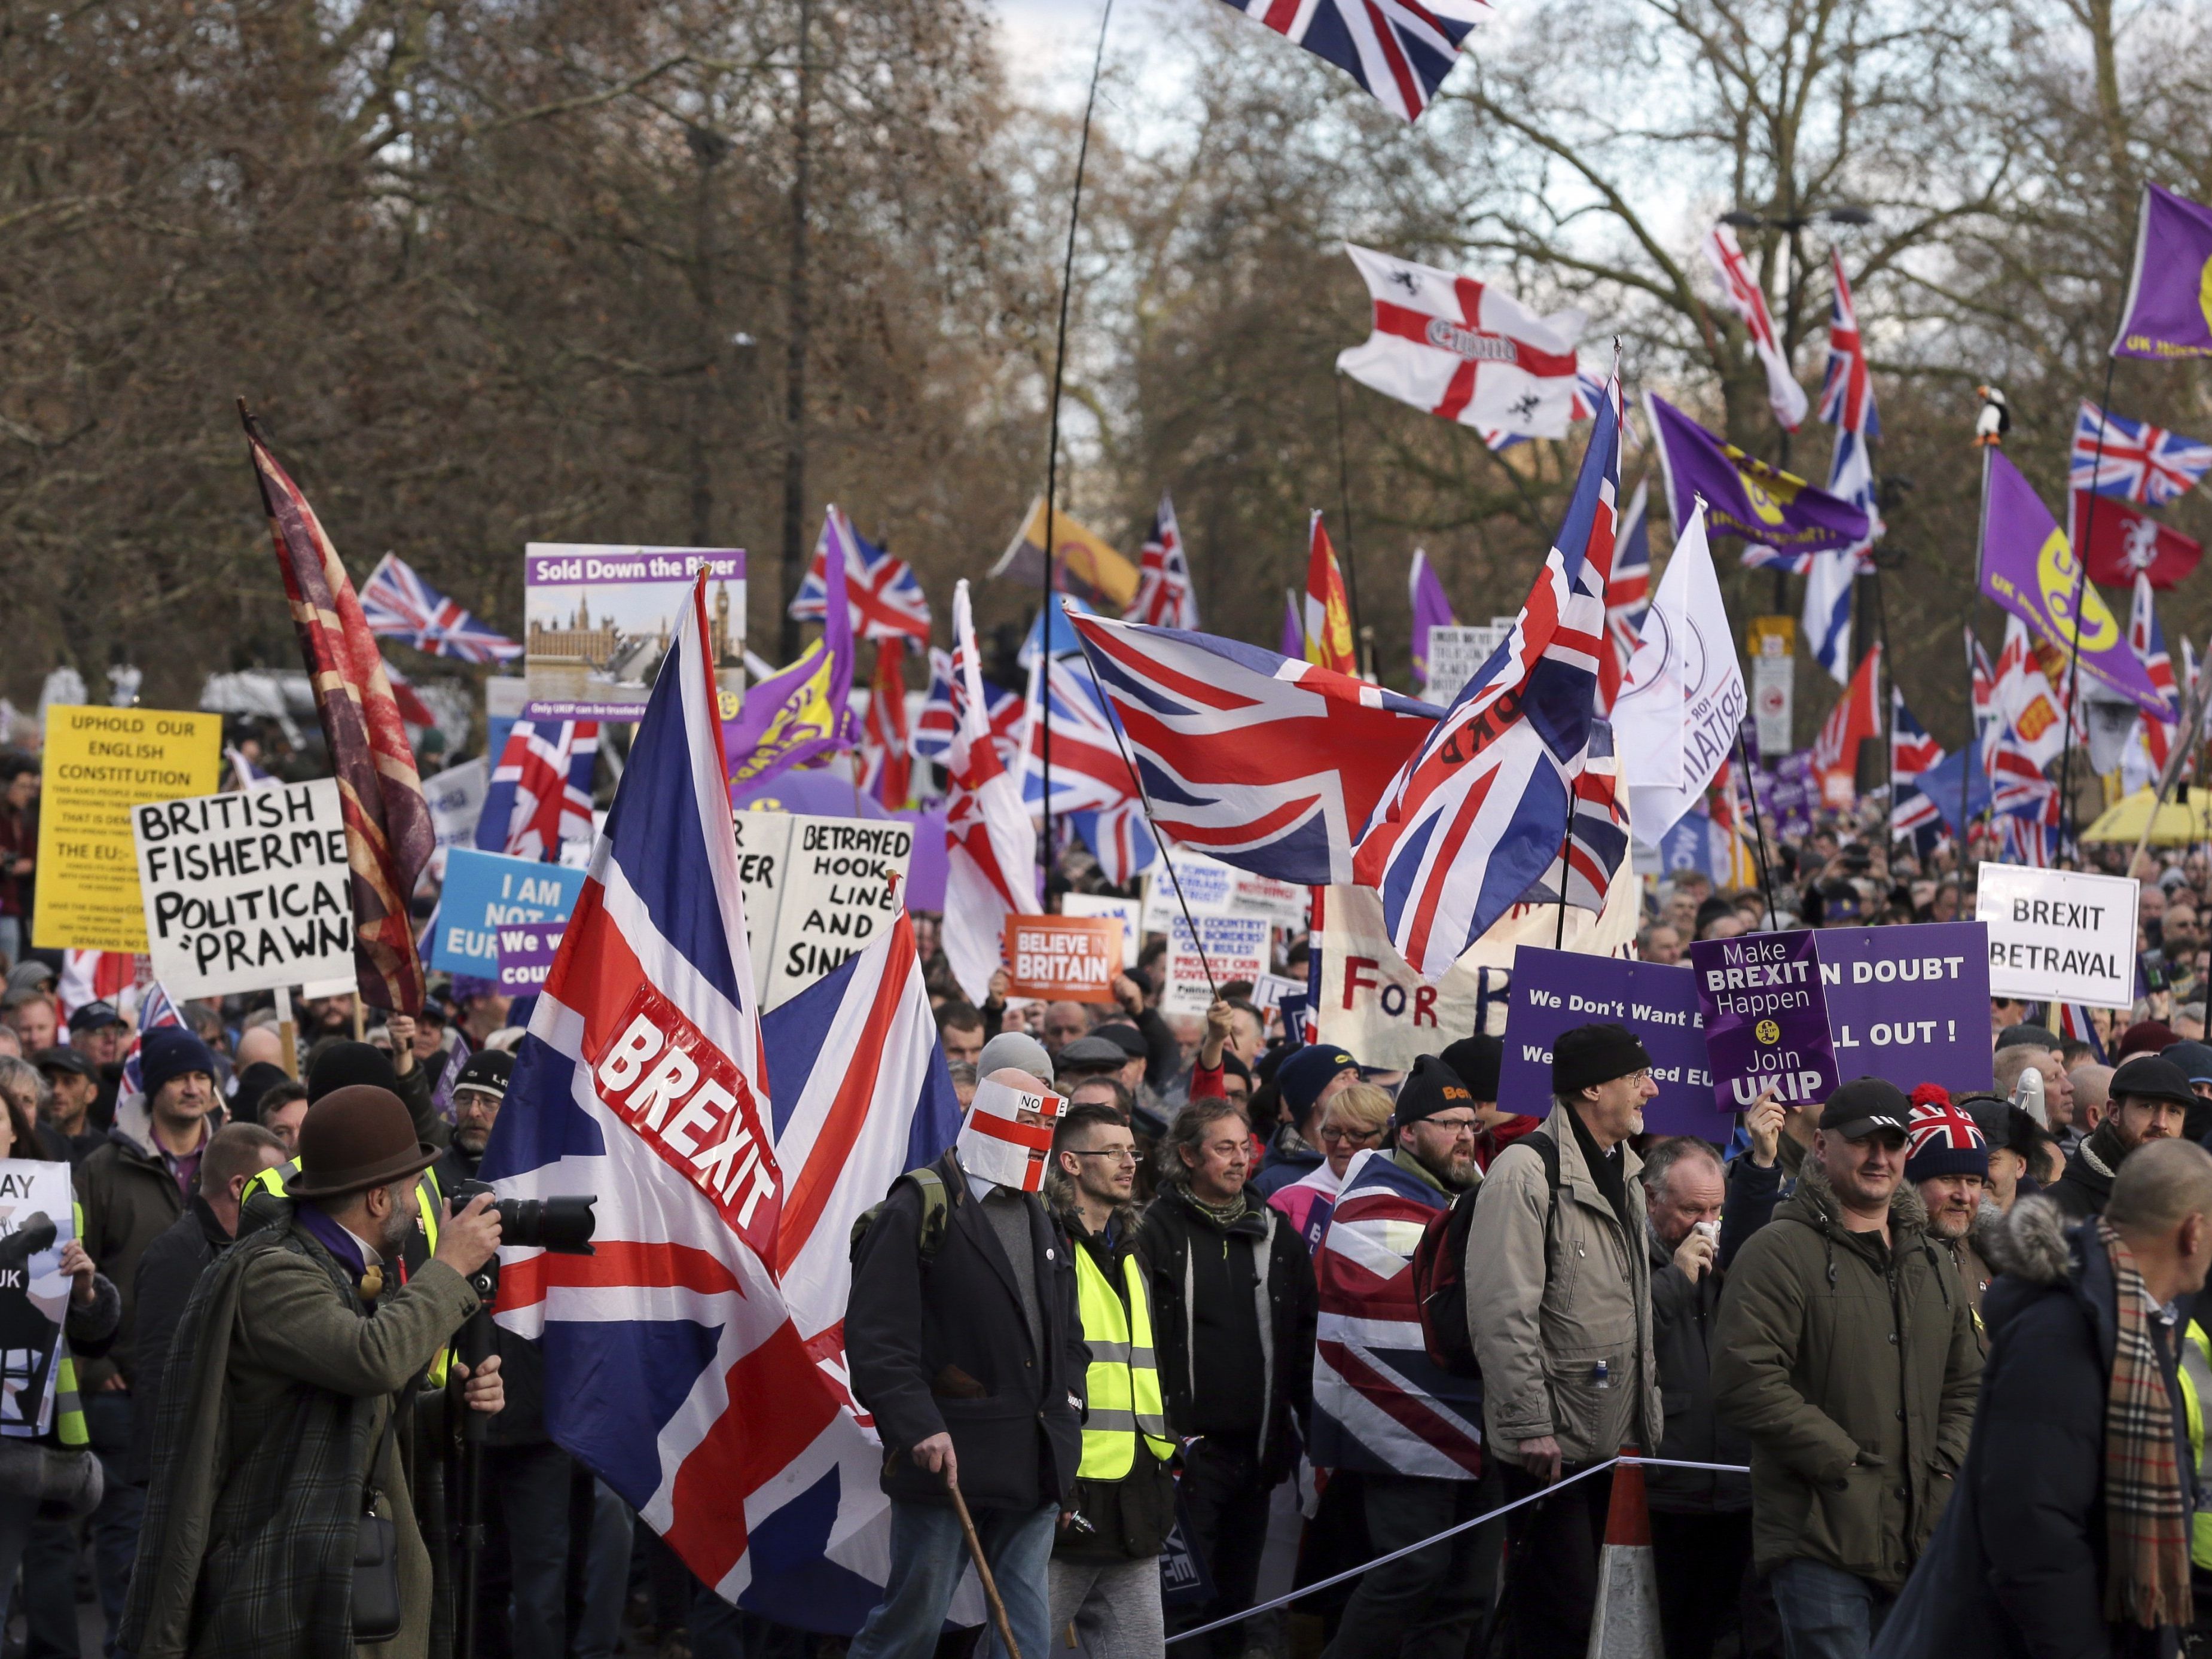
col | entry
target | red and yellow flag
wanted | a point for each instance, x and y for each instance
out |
(387, 822)
(1329, 617)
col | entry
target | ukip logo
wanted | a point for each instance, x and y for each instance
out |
(2058, 575)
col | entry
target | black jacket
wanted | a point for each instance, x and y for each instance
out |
(521, 1421)
(1130, 1518)
(1287, 1280)
(1755, 1193)
(2017, 1566)
(2087, 1186)
(167, 1272)
(945, 1348)
(1684, 1320)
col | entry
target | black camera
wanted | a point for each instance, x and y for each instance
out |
(562, 1225)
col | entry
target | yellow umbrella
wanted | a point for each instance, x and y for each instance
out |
(2177, 825)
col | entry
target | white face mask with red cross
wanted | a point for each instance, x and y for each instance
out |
(1007, 1138)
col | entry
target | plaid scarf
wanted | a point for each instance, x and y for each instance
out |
(2146, 1522)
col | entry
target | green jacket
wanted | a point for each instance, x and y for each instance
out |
(1852, 1368)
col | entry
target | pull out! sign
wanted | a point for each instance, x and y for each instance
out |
(687, 1101)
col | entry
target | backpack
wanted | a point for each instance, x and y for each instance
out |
(936, 1213)
(1440, 1266)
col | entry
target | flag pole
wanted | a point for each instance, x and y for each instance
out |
(1052, 445)
(1566, 841)
(1159, 845)
(1344, 506)
(2074, 620)
(2184, 742)
(1758, 826)
(1969, 757)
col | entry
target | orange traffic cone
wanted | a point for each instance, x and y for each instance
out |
(1626, 1625)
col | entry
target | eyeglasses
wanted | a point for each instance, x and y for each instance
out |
(1451, 1126)
(1119, 1154)
(1330, 1132)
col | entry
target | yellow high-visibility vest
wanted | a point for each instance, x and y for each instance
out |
(1123, 1382)
(2195, 1393)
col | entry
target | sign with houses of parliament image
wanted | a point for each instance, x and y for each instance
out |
(597, 620)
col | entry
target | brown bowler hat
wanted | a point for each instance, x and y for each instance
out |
(356, 1138)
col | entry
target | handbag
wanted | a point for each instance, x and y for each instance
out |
(376, 1556)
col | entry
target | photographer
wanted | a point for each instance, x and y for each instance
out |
(280, 1518)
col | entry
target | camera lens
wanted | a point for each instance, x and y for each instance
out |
(564, 1225)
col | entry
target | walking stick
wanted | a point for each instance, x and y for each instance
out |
(983, 1567)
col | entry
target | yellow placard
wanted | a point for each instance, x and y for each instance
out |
(98, 764)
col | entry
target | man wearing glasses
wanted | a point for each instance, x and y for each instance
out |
(1381, 1406)
(1568, 1375)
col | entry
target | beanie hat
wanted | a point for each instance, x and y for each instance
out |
(168, 1051)
(2195, 1060)
(251, 1085)
(348, 1065)
(1307, 1072)
(1430, 1088)
(1941, 1139)
(487, 1069)
(2145, 1037)
(1018, 1050)
(1477, 1059)
(1590, 1054)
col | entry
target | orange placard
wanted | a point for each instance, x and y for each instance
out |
(1063, 958)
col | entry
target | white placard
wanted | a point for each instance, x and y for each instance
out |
(247, 891)
(1455, 653)
(817, 891)
(1125, 911)
(1211, 888)
(1236, 947)
(34, 1299)
(456, 798)
(2060, 934)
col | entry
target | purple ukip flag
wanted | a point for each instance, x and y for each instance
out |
(1294, 632)
(2028, 567)
(1431, 609)
(1767, 508)
(1766, 1019)
(2169, 310)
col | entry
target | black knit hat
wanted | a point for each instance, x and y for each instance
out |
(1430, 1087)
(1477, 1059)
(1590, 1054)
(351, 1064)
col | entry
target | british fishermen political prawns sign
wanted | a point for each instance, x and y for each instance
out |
(1766, 1019)
(246, 892)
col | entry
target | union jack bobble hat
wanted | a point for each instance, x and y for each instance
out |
(1942, 1139)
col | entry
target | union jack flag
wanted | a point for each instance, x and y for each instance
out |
(886, 749)
(1003, 711)
(861, 1097)
(1166, 596)
(155, 1008)
(541, 790)
(1627, 591)
(2018, 788)
(1087, 771)
(1911, 750)
(1477, 816)
(1847, 392)
(990, 850)
(399, 605)
(1747, 298)
(1257, 759)
(1380, 1403)
(2147, 639)
(640, 1080)
(1983, 689)
(1597, 833)
(1119, 838)
(884, 594)
(2030, 841)
(1399, 49)
(2134, 461)
(2074, 1026)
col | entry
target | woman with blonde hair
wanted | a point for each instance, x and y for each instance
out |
(1354, 1120)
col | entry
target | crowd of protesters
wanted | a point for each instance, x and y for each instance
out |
(1872, 1340)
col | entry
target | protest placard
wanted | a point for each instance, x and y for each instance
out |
(1455, 653)
(100, 763)
(526, 951)
(1212, 887)
(1909, 1004)
(817, 891)
(1063, 958)
(245, 893)
(1766, 1014)
(456, 799)
(33, 1297)
(2058, 934)
(1555, 991)
(1235, 947)
(1373, 1003)
(597, 622)
(1123, 911)
(486, 891)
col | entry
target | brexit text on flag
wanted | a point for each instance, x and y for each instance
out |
(1255, 758)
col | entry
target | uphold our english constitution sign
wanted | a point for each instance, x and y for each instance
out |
(1063, 958)
(1766, 1019)
(2061, 934)
(247, 891)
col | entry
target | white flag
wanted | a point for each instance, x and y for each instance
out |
(1748, 300)
(1683, 701)
(990, 848)
(1463, 350)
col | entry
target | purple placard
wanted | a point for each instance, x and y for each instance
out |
(525, 955)
(598, 619)
(1766, 1019)
(1555, 991)
(1911, 1003)
(580, 566)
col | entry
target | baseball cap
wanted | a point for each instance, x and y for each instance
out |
(66, 1060)
(95, 1016)
(1866, 1106)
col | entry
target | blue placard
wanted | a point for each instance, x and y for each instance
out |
(483, 890)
